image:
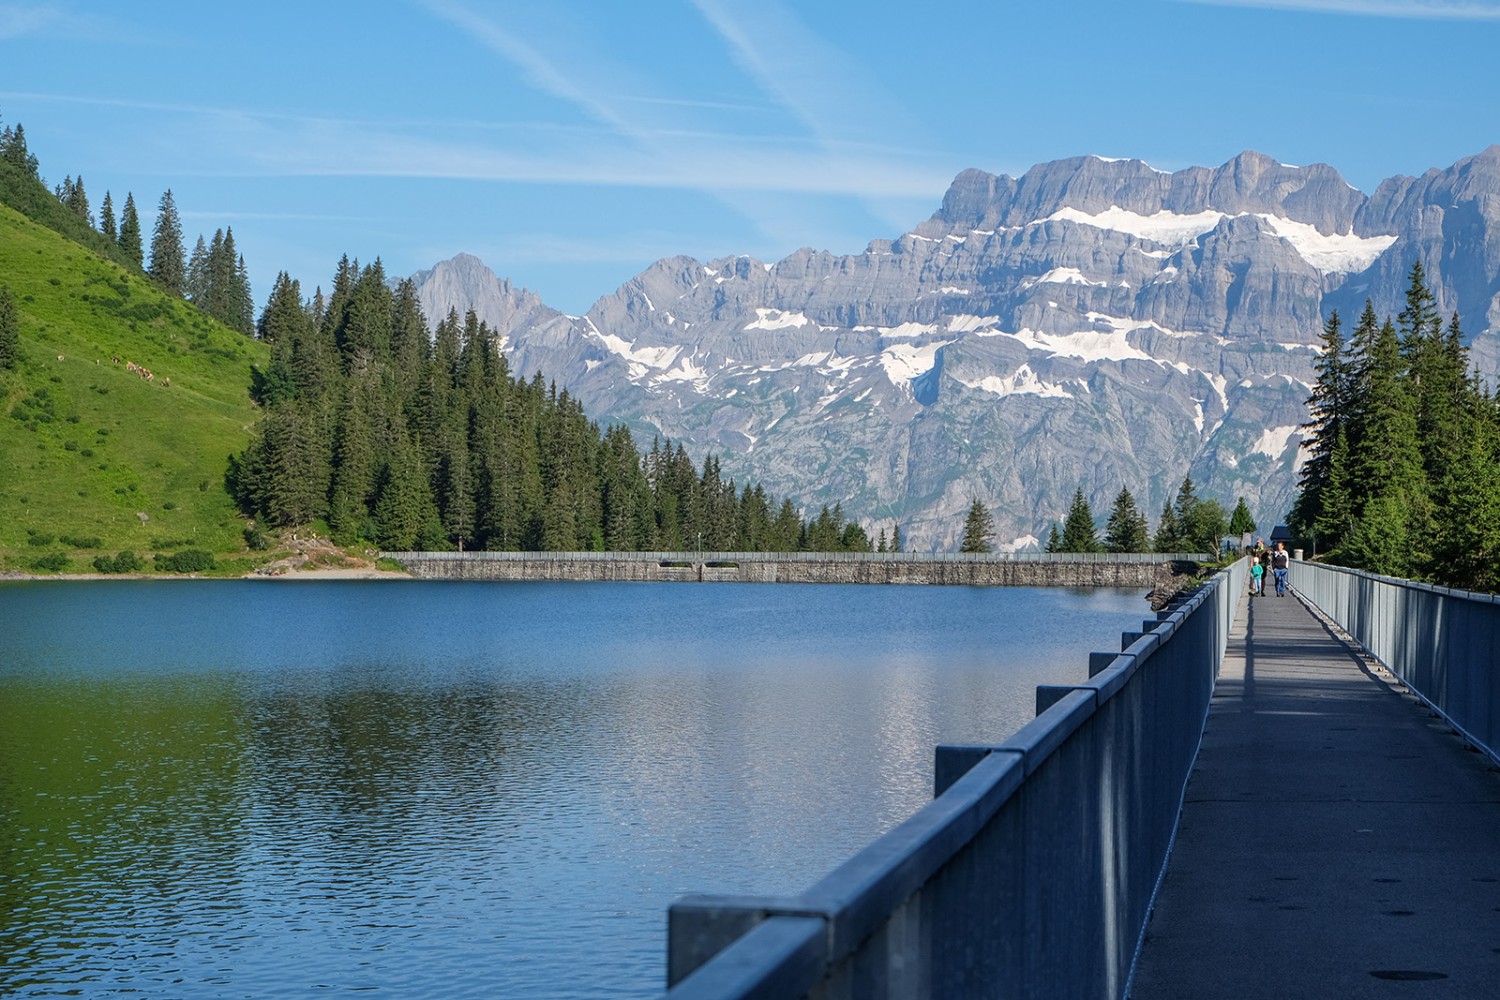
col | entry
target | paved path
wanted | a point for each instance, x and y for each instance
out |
(1337, 840)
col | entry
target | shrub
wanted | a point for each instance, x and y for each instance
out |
(81, 541)
(40, 538)
(123, 562)
(257, 538)
(186, 561)
(52, 562)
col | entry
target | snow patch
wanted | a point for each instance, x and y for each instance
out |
(1162, 227)
(1089, 345)
(954, 290)
(1062, 276)
(1017, 544)
(904, 362)
(1023, 383)
(1340, 253)
(776, 319)
(1273, 441)
(964, 323)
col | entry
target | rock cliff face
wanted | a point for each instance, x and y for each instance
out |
(1093, 323)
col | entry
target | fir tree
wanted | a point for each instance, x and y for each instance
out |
(130, 231)
(1335, 513)
(195, 278)
(979, 529)
(897, 542)
(1240, 522)
(1168, 536)
(1078, 527)
(1126, 529)
(167, 266)
(1329, 409)
(1389, 470)
(13, 150)
(107, 224)
(1054, 540)
(405, 516)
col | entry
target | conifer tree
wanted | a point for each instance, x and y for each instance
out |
(295, 467)
(405, 516)
(1391, 529)
(898, 544)
(1126, 529)
(130, 231)
(1078, 527)
(979, 529)
(195, 278)
(1240, 522)
(1054, 540)
(1329, 409)
(1168, 536)
(13, 150)
(167, 266)
(107, 224)
(70, 192)
(1335, 513)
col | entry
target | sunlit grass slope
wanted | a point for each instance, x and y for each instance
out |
(95, 458)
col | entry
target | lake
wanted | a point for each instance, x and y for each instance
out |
(257, 788)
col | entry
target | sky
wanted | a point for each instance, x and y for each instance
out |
(571, 143)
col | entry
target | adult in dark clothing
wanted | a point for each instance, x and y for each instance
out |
(1281, 561)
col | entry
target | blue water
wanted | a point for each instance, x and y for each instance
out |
(283, 788)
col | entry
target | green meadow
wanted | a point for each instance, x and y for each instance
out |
(94, 457)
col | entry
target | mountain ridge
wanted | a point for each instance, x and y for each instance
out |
(1094, 322)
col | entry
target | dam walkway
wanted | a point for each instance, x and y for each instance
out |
(1337, 838)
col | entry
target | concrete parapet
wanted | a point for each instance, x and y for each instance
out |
(1054, 570)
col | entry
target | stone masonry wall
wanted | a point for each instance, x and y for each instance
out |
(1052, 571)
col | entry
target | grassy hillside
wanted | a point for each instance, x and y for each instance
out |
(95, 458)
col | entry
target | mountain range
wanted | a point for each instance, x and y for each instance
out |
(1094, 323)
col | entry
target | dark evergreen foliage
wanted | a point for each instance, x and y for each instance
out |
(1126, 529)
(1078, 533)
(411, 442)
(215, 281)
(167, 265)
(1240, 522)
(10, 330)
(1408, 445)
(107, 225)
(13, 150)
(979, 529)
(130, 232)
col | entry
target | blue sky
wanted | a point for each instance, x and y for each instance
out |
(569, 144)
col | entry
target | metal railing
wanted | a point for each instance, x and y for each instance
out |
(1443, 644)
(818, 557)
(1030, 874)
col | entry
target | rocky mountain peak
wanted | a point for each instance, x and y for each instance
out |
(1094, 322)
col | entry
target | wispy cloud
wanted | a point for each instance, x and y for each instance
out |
(18, 20)
(1426, 10)
(61, 21)
(831, 93)
(647, 143)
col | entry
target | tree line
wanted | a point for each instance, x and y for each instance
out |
(1188, 523)
(1403, 473)
(418, 442)
(214, 278)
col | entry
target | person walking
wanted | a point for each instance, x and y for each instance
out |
(1281, 561)
(1257, 578)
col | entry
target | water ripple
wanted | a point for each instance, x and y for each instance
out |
(464, 790)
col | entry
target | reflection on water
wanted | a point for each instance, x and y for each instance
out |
(466, 789)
